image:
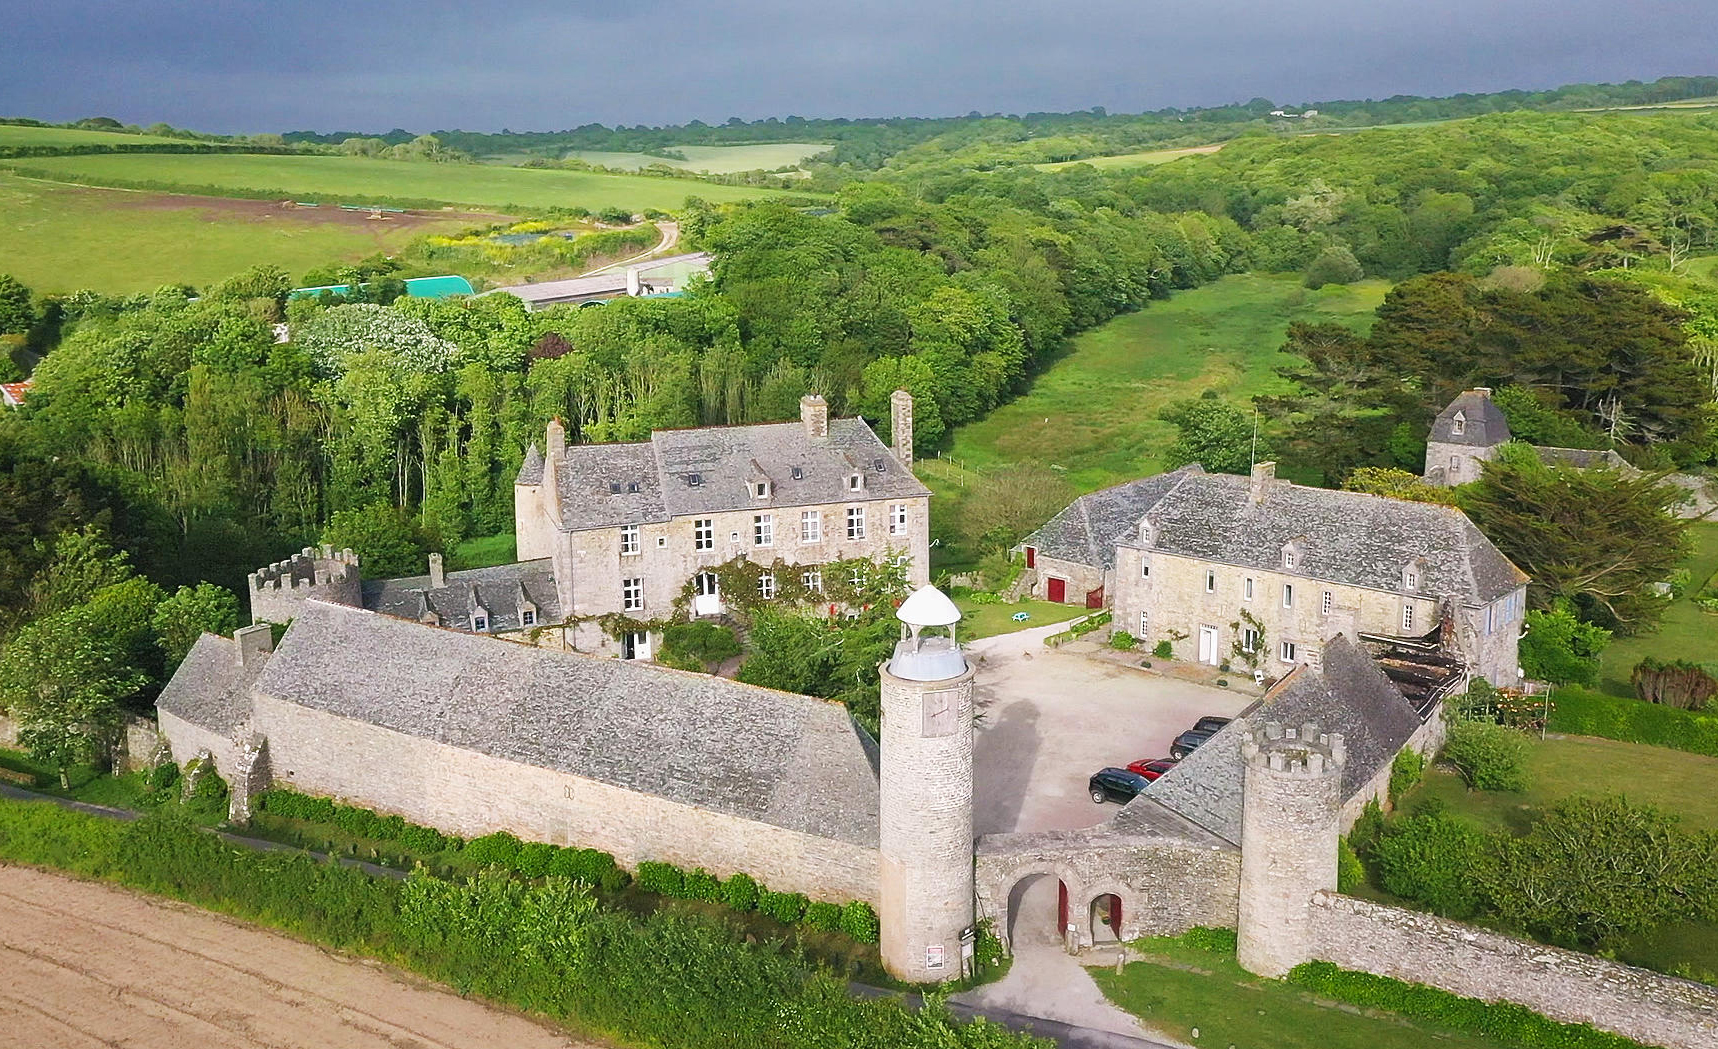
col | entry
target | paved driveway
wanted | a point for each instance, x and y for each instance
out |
(1048, 719)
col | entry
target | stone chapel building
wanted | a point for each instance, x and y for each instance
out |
(1260, 573)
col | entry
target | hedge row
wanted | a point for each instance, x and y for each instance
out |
(1583, 712)
(1504, 1021)
(670, 980)
(537, 859)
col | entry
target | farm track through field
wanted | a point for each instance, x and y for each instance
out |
(90, 965)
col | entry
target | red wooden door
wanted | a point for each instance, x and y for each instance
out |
(1031, 557)
(1061, 906)
(1115, 916)
(1095, 598)
(1058, 589)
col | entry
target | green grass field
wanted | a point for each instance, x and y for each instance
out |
(24, 135)
(1132, 160)
(1179, 989)
(1685, 633)
(358, 180)
(989, 620)
(63, 238)
(715, 160)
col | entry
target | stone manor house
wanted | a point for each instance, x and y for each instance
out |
(608, 530)
(1260, 573)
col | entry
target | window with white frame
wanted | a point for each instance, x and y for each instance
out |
(763, 530)
(766, 585)
(1210, 581)
(1288, 558)
(1286, 652)
(855, 522)
(1458, 425)
(527, 618)
(1407, 618)
(811, 526)
(629, 539)
(1247, 589)
(1410, 580)
(706, 584)
(632, 594)
(480, 622)
(1326, 602)
(704, 533)
(1250, 639)
(855, 482)
(761, 489)
(1490, 617)
(1145, 569)
(898, 519)
(812, 580)
(1288, 595)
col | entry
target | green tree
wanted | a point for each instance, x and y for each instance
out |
(1595, 538)
(1489, 756)
(1432, 860)
(17, 313)
(389, 544)
(1397, 484)
(63, 681)
(190, 612)
(1334, 265)
(1561, 649)
(789, 651)
(1215, 434)
(83, 563)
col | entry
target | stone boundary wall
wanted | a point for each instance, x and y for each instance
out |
(468, 793)
(1564, 985)
(1166, 886)
(8, 731)
(185, 741)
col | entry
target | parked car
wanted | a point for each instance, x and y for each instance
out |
(1151, 768)
(1117, 785)
(1189, 741)
(1210, 723)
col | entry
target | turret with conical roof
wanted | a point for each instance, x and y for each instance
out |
(925, 786)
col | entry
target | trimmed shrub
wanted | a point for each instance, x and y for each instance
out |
(1582, 712)
(784, 907)
(702, 885)
(859, 921)
(533, 859)
(1488, 756)
(500, 849)
(1406, 771)
(1163, 650)
(164, 776)
(1350, 872)
(823, 916)
(422, 839)
(389, 828)
(740, 892)
(591, 866)
(1436, 861)
(664, 879)
(1122, 641)
(356, 821)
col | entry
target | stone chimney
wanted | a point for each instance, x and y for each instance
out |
(555, 449)
(1263, 474)
(1483, 391)
(814, 414)
(901, 426)
(254, 644)
(438, 578)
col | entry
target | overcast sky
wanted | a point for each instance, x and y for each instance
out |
(250, 65)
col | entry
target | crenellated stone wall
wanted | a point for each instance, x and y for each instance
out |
(280, 590)
(1564, 985)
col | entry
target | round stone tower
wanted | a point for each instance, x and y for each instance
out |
(925, 787)
(1290, 819)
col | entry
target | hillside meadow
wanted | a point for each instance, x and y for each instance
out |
(25, 135)
(714, 160)
(361, 180)
(63, 238)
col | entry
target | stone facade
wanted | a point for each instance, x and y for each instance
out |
(461, 791)
(925, 839)
(1293, 794)
(280, 590)
(1475, 963)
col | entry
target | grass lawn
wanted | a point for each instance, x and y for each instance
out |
(1183, 988)
(1132, 160)
(357, 180)
(127, 791)
(1092, 414)
(63, 238)
(24, 135)
(716, 160)
(1559, 768)
(484, 551)
(992, 619)
(1685, 633)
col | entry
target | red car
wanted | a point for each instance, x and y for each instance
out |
(1151, 768)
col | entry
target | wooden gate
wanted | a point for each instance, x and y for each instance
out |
(1095, 598)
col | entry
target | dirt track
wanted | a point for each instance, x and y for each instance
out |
(85, 965)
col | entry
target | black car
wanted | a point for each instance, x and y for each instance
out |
(1209, 723)
(1117, 785)
(1189, 741)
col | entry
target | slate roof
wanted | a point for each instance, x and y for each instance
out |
(210, 688)
(1347, 694)
(787, 760)
(501, 591)
(1582, 458)
(1344, 537)
(1485, 424)
(603, 485)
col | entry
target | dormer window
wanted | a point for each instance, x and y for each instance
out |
(1458, 425)
(1288, 557)
(694, 480)
(632, 488)
(855, 482)
(798, 474)
(1147, 534)
(1412, 573)
(480, 622)
(614, 488)
(879, 465)
(760, 489)
(528, 618)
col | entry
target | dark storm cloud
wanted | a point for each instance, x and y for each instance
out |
(531, 64)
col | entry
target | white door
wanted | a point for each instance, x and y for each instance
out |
(1208, 645)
